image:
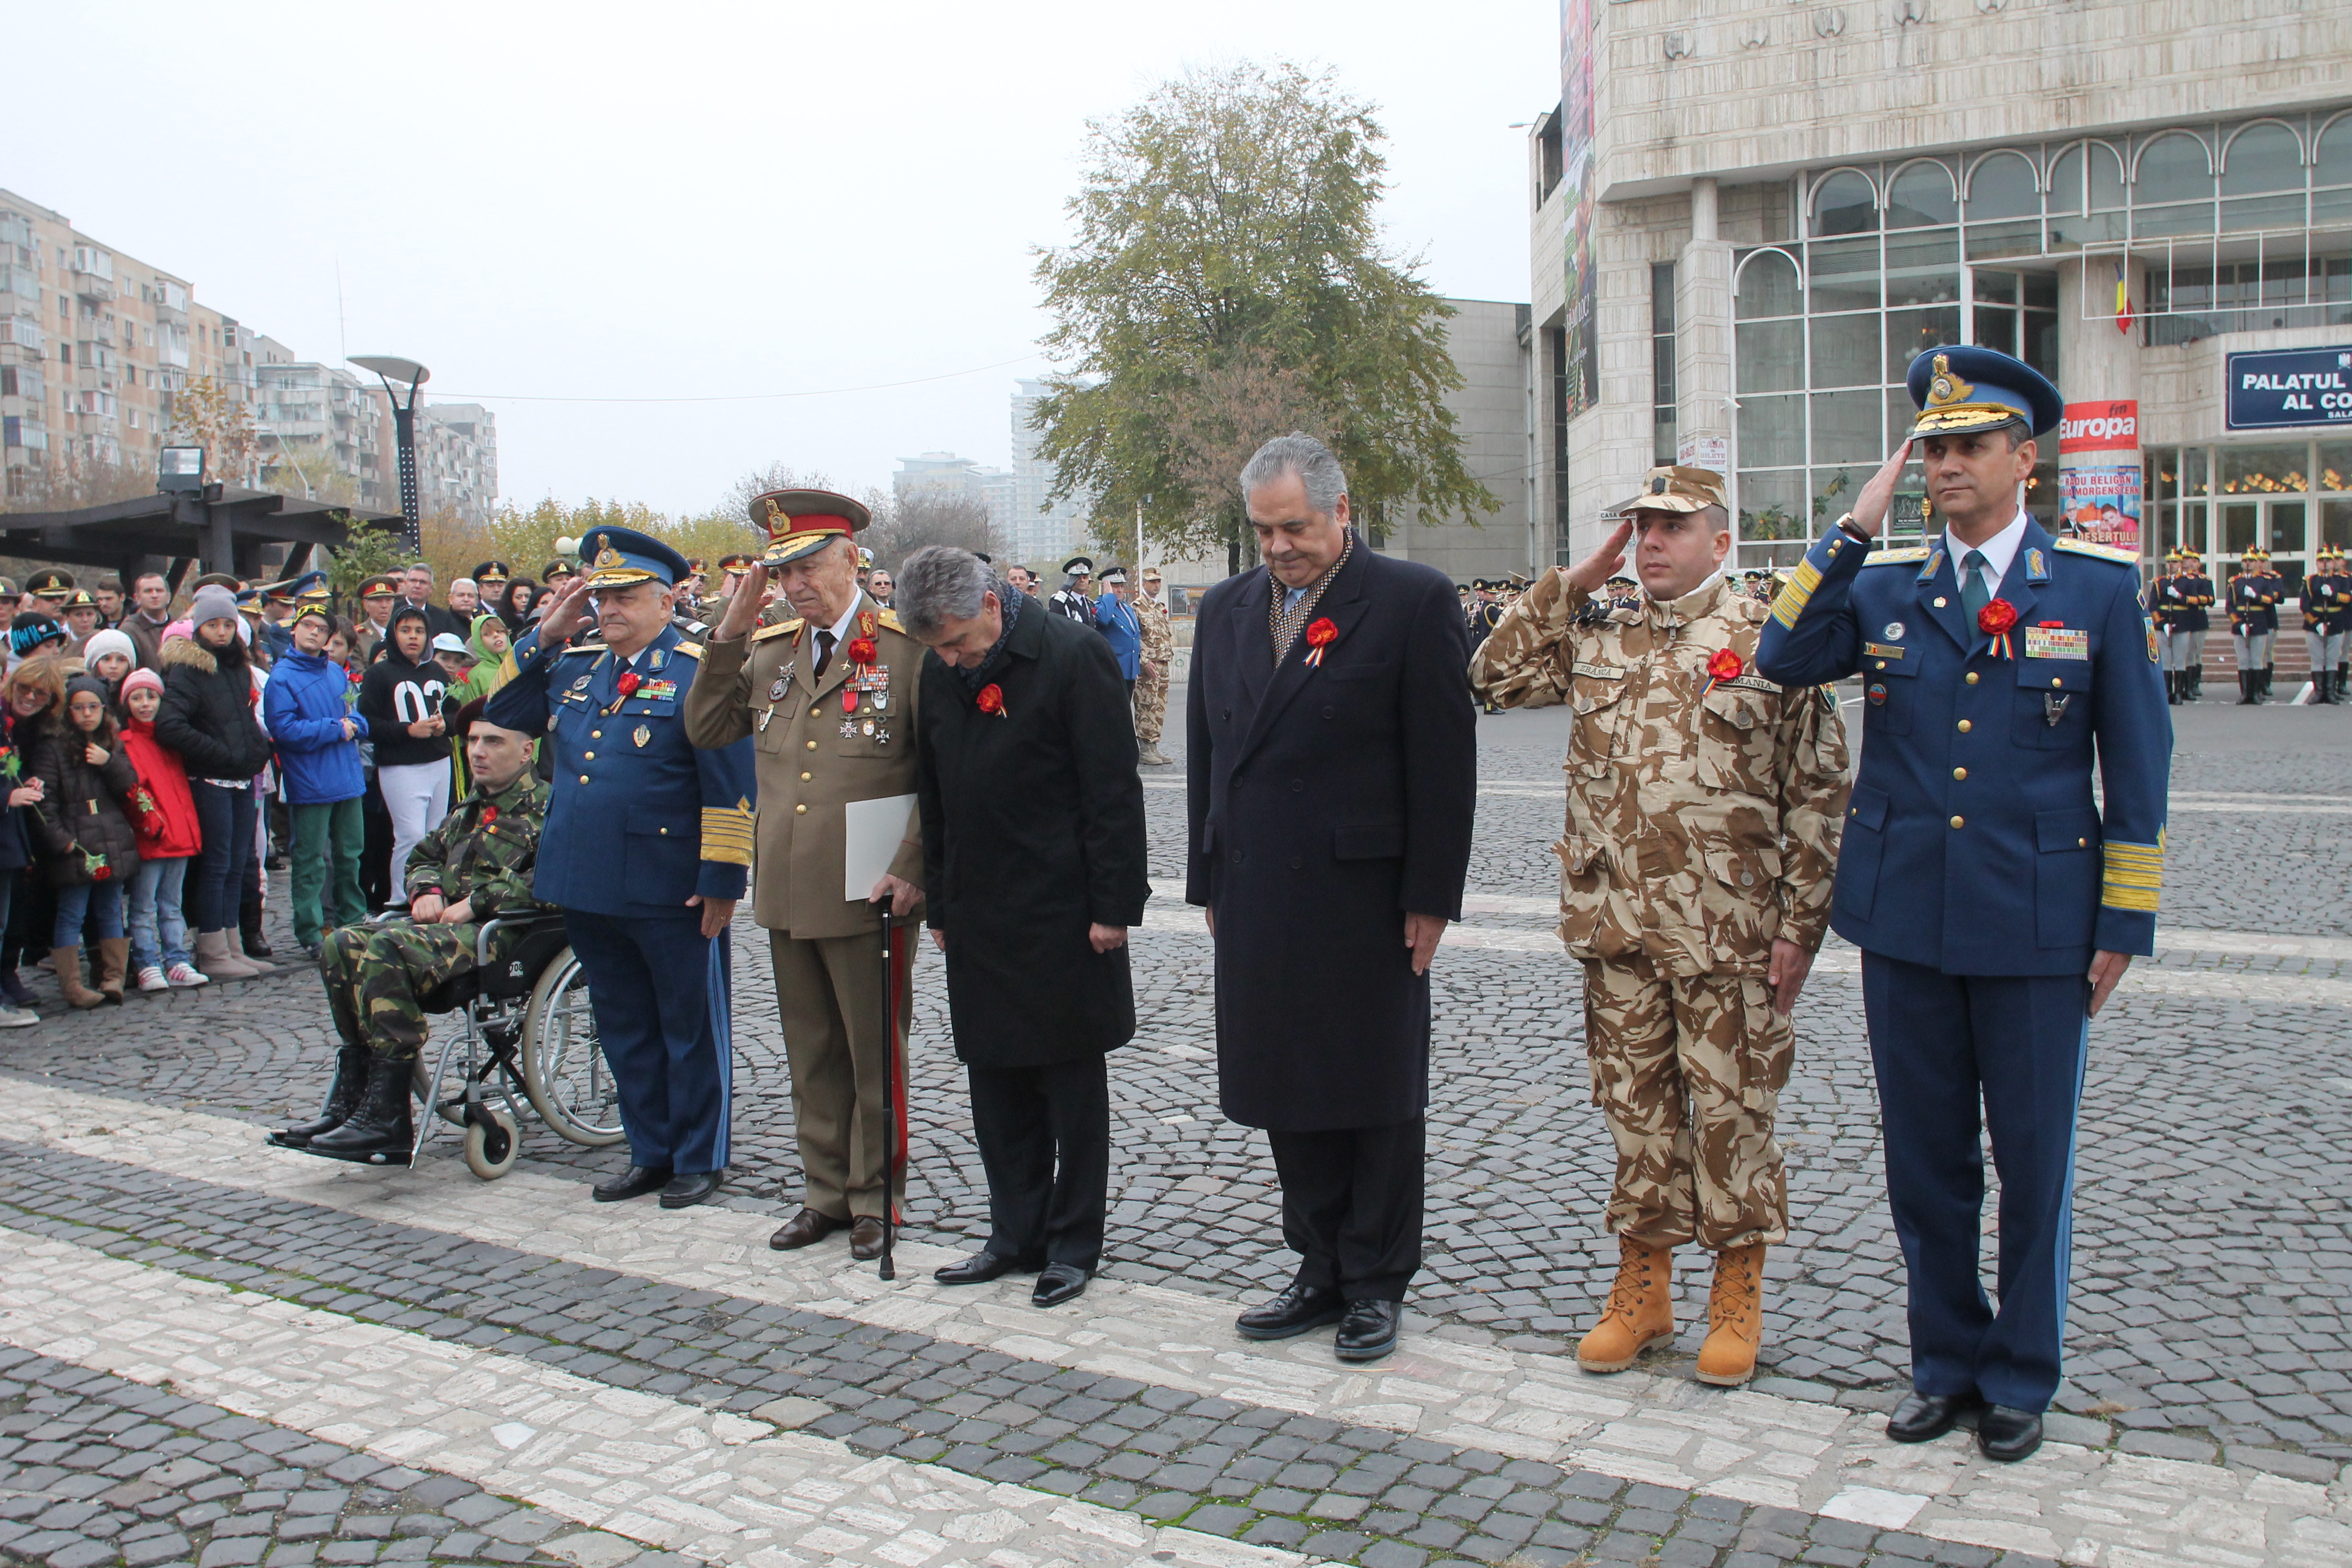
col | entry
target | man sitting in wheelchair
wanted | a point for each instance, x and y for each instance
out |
(476, 865)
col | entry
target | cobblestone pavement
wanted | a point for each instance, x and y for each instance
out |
(2214, 1254)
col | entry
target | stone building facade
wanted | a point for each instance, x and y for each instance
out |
(1789, 201)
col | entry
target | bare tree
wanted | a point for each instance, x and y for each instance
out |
(905, 525)
(736, 504)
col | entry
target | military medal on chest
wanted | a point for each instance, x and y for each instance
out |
(777, 693)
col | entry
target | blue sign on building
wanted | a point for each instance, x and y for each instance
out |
(2279, 388)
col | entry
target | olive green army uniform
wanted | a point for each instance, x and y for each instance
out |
(1703, 818)
(820, 743)
(482, 852)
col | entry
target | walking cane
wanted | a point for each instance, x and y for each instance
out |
(889, 1083)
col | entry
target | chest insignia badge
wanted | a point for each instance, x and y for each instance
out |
(1877, 695)
(1894, 632)
(581, 684)
(849, 728)
(1941, 603)
(776, 692)
(642, 735)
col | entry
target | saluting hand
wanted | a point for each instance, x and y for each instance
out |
(1595, 570)
(743, 611)
(567, 613)
(1869, 506)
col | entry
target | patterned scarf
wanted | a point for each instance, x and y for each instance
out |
(1285, 625)
(1011, 601)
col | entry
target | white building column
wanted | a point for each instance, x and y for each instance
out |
(1703, 407)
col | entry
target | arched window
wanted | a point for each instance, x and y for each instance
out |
(2331, 165)
(2002, 186)
(2172, 187)
(2262, 179)
(1845, 203)
(1768, 285)
(2106, 184)
(1921, 196)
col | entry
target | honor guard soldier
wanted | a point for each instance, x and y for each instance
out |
(1996, 900)
(1074, 602)
(2255, 593)
(827, 700)
(2184, 602)
(2326, 618)
(646, 849)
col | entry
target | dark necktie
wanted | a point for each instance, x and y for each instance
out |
(1974, 594)
(824, 654)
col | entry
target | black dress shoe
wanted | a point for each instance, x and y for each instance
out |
(1057, 1283)
(1368, 1331)
(978, 1270)
(804, 1228)
(1924, 1418)
(866, 1238)
(2006, 1435)
(633, 1183)
(685, 1192)
(1292, 1312)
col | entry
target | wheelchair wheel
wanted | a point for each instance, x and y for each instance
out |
(563, 1066)
(492, 1142)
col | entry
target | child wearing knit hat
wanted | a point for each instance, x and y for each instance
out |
(165, 814)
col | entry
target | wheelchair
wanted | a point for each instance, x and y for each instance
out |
(526, 1036)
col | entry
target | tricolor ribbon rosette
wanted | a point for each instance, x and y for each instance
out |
(1722, 665)
(990, 700)
(1995, 620)
(1321, 634)
(628, 685)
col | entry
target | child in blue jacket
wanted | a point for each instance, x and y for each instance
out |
(306, 713)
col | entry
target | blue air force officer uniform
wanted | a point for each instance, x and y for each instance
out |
(639, 821)
(1979, 877)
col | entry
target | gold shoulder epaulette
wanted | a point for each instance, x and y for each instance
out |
(1893, 557)
(585, 647)
(890, 622)
(2104, 552)
(691, 649)
(782, 628)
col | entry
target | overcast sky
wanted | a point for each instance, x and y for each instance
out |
(702, 200)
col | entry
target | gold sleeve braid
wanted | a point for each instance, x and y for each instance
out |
(2134, 877)
(726, 833)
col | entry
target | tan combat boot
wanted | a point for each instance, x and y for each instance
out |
(1734, 1316)
(1641, 1307)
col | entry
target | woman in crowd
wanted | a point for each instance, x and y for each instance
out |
(165, 816)
(90, 848)
(318, 753)
(516, 604)
(401, 703)
(207, 717)
(33, 689)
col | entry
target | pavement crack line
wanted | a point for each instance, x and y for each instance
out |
(2088, 1506)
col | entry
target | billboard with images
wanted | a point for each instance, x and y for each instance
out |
(2101, 503)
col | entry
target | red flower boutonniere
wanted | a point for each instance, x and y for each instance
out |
(628, 685)
(1321, 634)
(1995, 620)
(1722, 665)
(990, 700)
(491, 817)
(861, 650)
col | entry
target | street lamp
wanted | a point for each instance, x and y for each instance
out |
(392, 368)
(180, 469)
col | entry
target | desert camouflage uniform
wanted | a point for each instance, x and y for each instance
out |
(1702, 823)
(374, 975)
(1159, 652)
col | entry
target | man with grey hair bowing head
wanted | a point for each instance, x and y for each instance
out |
(1331, 751)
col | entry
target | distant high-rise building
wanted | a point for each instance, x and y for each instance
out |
(1039, 529)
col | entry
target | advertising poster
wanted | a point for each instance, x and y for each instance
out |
(2110, 426)
(2102, 503)
(1576, 186)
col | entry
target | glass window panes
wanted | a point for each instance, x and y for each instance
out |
(1921, 197)
(1844, 203)
(2331, 162)
(2264, 470)
(2194, 480)
(1772, 430)
(1997, 329)
(2244, 213)
(1910, 334)
(1843, 275)
(1768, 286)
(2286, 527)
(2335, 523)
(1846, 351)
(2002, 186)
(1921, 268)
(1772, 505)
(1771, 356)
(2263, 158)
(2239, 521)
(1833, 492)
(2107, 186)
(2175, 167)
(2334, 467)
(1846, 427)
(2065, 183)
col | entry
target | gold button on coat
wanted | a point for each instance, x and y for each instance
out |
(1972, 678)
(1959, 772)
(1960, 822)
(801, 810)
(584, 778)
(812, 745)
(805, 777)
(1965, 726)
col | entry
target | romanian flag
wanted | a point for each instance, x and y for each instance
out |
(2123, 302)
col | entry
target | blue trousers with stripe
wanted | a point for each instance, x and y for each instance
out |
(661, 994)
(1942, 1044)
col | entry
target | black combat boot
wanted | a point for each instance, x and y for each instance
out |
(2246, 679)
(343, 1099)
(379, 1132)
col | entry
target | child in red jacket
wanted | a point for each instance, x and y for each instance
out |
(165, 816)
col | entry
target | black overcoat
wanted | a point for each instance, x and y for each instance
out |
(1327, 802)
(1032, 830)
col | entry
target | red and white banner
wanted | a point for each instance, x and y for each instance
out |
(2099, 427)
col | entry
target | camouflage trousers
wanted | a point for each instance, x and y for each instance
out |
(1688, 1071)
(1151, 708)
(374, 975)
